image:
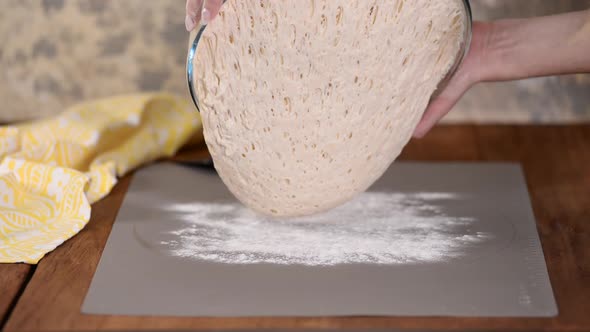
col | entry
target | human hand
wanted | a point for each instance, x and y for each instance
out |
(514, 49)
(201, 11)
(467, 75)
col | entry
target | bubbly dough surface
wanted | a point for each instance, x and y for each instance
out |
(306, 103)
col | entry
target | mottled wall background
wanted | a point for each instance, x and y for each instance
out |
(58, 52)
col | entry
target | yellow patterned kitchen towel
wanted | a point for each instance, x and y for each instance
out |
(53, 169)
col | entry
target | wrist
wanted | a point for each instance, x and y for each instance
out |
(499, 44)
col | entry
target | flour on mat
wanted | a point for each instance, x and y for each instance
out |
(375, 228)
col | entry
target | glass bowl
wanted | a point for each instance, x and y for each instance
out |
(195, 37)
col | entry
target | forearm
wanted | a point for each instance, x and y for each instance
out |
(543, 46)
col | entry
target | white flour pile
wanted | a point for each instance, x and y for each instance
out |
(375, 228)
(305, 103)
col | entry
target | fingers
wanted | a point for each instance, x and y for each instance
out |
(210, 10)
(193, 13)
(442, 104)
(469, 73)
(437, 109)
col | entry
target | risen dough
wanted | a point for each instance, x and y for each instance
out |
(307, 103)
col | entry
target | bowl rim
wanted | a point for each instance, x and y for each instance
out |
(464, 50)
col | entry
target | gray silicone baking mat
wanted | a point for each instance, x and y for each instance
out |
(428, 239)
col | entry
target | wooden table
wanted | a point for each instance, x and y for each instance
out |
(556, 161)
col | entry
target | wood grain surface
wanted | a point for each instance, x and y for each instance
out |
(556, 162)
(13, 279)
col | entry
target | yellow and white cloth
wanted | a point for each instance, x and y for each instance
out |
(53, 169)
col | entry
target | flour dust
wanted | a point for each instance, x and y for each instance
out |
(375, 228)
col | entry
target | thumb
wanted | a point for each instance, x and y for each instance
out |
(210, 10)
(193, 11)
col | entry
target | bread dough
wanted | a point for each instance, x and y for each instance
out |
(306, 103)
